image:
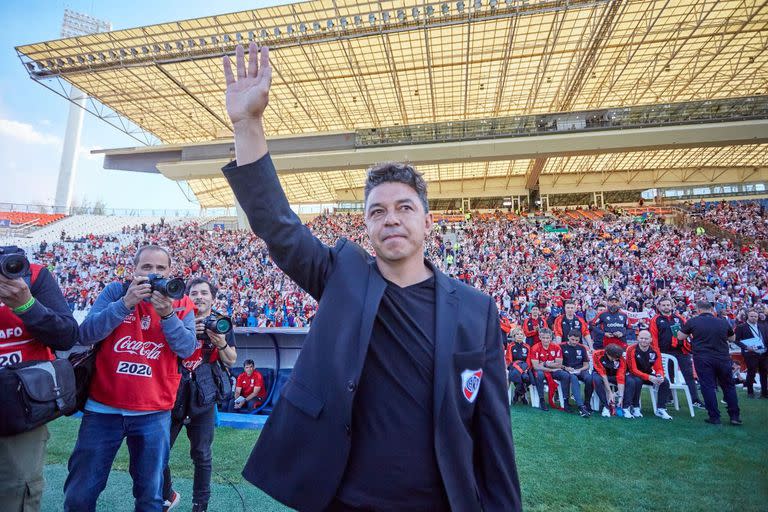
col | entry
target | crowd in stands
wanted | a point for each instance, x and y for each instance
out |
(517, 261)
(745, 218)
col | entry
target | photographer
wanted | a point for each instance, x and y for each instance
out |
(143, 332)
(34, 321)
(212, 347)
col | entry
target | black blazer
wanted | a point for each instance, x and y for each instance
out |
(743, 332)
(302, 452)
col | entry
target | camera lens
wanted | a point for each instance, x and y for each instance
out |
(223, 325)
(14, 266)
(175, 288)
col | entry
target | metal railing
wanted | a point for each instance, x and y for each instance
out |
(692, 112)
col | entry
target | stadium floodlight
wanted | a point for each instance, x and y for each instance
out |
(144, 50)
(385, 16)
(343, 22)
(49, 63)
(460, 6)
(303, 28)
(156, 48)
(277, 31)
(478, 4)
(264, 34)
(60, 62)
(113, 54)
(251, 36)
(401, 15)
(214, 40)
(316, 26)
(227, 39)
(30, 66)
(80, 59)
(70, 61)
(430, 10)
(123, 53)
(191, 43)
(329, 24)
(134, 52)
(493, 3)
(289, 29)
(445, 9)
(201, 42)
(415, 13)
(102, 56)
(372, 19)
(239, 37)
(358, 20)
(179, 45)
(167, 47)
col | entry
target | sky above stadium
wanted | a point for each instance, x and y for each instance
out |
(33, 119)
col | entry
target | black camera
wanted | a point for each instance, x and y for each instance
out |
(218, 323)
(13, 262)
(173, 288)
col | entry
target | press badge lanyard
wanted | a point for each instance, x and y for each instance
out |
(756, 332)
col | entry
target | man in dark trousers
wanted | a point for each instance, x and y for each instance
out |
(398, 400)
(751, 338)
(709, 344)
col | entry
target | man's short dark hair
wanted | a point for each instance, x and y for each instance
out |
(569, 302)
(397, 172)
(614, 350)
(703, 305)
(151, 247)
(248, 362)
(200, 280)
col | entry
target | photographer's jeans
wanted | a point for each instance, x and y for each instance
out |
(100, 436)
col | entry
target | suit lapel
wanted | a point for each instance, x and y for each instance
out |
(446, 319)
(373, 294)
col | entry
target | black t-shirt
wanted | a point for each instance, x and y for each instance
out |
(392, 463)
(709, 335)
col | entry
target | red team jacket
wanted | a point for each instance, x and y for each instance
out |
(17, 344)
(607, 368)
(135, 367)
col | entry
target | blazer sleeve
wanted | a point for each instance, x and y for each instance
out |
(304, 258)
(494, 449)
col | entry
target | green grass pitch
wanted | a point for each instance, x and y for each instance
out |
(565, 463)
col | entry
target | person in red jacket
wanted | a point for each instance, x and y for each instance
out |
(645, 367)
(34, 321)
(545, 358)
(249, 389)
(609, 368)
(569, 320)
(518, 366)
(663, 329)
(532, 325)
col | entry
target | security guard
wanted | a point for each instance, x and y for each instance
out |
(710, 336)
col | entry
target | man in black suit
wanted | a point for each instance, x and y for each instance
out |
(755, 357)
(398, 399)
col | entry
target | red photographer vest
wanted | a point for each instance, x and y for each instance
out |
(17, 344)
(135, 367)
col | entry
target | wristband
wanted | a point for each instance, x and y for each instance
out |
(24, 307)
(169, 315)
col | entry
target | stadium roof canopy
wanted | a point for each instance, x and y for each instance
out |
(350, 66)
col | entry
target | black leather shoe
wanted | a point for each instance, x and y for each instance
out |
(713, 421)
(736, 421)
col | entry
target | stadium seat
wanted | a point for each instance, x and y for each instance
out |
(679, 383)
(282, 377)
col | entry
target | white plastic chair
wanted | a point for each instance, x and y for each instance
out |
(679, 383)
(534, 394)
